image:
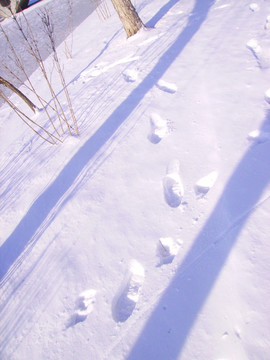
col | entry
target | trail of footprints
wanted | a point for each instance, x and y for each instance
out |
(167, 248)
(126, 298)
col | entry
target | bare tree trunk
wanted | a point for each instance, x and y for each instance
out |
(128, 16)
(18, 92)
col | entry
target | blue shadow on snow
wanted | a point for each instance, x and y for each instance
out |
(45, 208)
(162, 11)
(170, 323)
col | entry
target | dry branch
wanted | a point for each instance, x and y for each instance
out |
(18, 92)
(49, 29)
(28, 120)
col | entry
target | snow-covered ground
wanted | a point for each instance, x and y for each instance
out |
(147, 236)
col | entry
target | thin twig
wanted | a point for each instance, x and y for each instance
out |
(21, 67)
(23, 116)
(7, 84)
(49, 28)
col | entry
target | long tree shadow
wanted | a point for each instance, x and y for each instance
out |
(162, 11)
(166, 331)
(150, 24)
(45, 208)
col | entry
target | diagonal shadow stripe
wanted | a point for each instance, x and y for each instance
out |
(31, 226)
(162, 11)
(166, 332)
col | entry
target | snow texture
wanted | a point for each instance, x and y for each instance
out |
(174, 127)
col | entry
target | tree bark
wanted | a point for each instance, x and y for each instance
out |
(18, 92)
(128, 16)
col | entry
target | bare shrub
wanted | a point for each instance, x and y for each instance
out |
(102, 9)
(32, 47)
(49, 30)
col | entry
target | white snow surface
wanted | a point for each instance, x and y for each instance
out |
(81, 220)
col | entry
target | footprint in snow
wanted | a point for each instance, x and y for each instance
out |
(103, 67)
(166, 86)
(259, 136)
(130, 75)
(172, 185)
(128, 295)
(167, 249)
(254, 46)
(158, 128)
(85, 305)
(262, 54)
(203, 185)
(254, 7)
(267, 23)
(92, 72)
(267, 96)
